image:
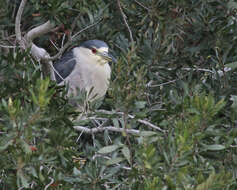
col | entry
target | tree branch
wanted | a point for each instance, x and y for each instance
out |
(101, 129)
(38, 53)
(38, 31)
(18, 21)
(87, 27)
(50, 183)
(27, 41)
(142, 5)
(125, 21)
(145, 122)
(68, 43)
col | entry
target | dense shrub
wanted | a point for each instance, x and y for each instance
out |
(171, 93)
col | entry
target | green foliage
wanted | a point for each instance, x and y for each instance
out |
(171, 84)
(129, 83)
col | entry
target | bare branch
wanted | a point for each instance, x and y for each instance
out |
(162, 84)
(87, 27)
(142, 5)
(220, 72)
(18, 21)
(55, 46)
(198, 69)
(68, 43)
(38, 31)
(8, 47)
(37, 52)
(125, 21)
(74, 24)
(101, 129)
(145, 122)
(50, 183)
(61, 51)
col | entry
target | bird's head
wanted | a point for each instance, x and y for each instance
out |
(98, 51)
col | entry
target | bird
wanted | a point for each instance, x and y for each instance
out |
(87, 68)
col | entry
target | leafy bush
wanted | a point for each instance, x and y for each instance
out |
(171, 103)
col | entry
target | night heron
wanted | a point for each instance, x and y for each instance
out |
(85, 68)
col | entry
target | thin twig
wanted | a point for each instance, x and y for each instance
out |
(68, 43)
(101, 129)
(198, 69)
(74, 25)
(61, 51)
(55, 46)
(75, 35)
(5, 46)
(145, 122)
(162, 84)
(220, 72)
(125, 21)
(64, 36)
(78, 138)
(50, 183)
(142, 5)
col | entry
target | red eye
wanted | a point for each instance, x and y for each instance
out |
(93, 50)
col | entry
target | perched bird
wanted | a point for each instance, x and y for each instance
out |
(85, 68)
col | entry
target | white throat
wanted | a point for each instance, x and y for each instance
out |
(94, 71)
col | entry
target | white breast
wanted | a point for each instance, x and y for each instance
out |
(89, 75)
(96, 77)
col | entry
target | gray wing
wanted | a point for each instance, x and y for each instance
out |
(64, 66)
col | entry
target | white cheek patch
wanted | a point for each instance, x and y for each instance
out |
(103, 49)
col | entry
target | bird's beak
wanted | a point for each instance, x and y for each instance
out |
(107, 56)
